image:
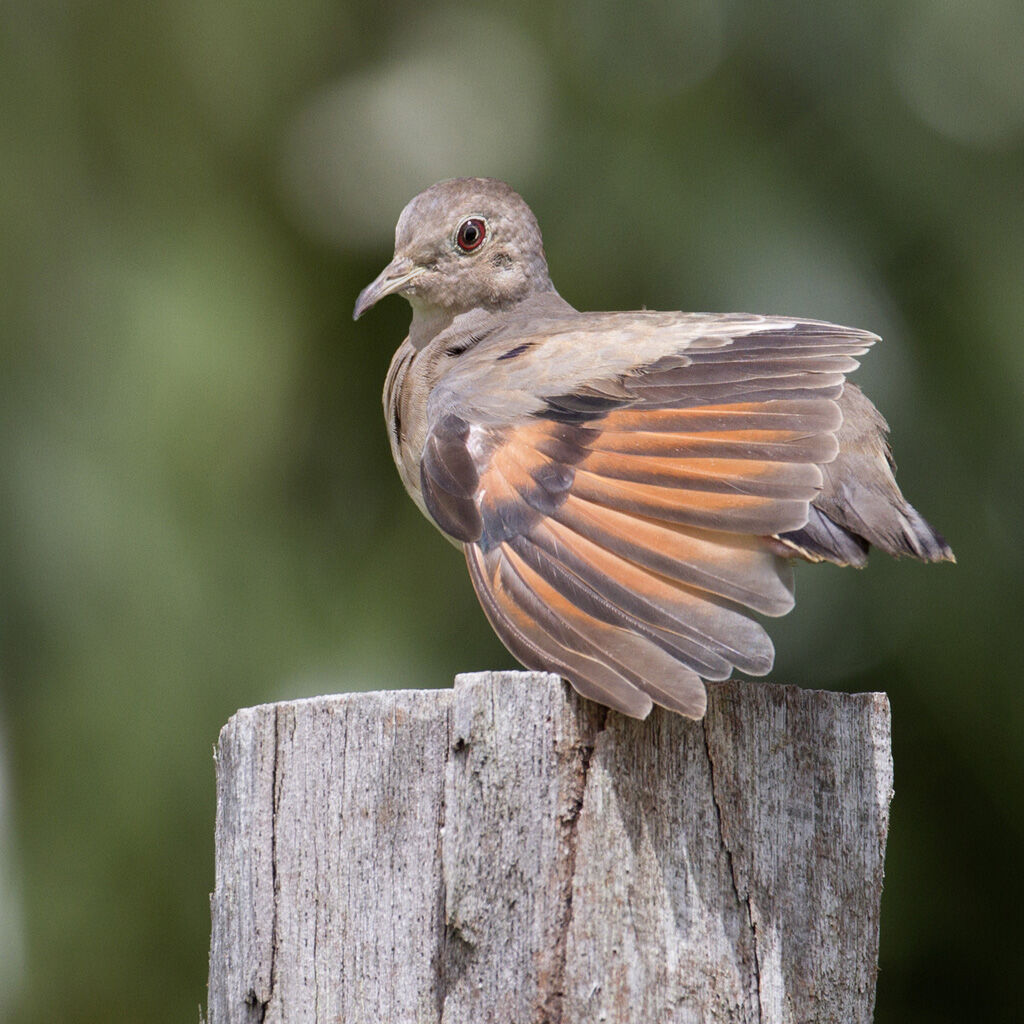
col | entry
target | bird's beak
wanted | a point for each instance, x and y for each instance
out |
(392, 278)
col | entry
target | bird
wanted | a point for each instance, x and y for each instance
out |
(630, 489)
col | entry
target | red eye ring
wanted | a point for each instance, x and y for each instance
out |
(471, 234)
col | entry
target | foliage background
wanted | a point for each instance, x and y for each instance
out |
(199, 510)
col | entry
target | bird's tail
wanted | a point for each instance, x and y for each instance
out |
(860, 504)
(901, 531)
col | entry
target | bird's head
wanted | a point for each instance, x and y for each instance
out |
(464, 244)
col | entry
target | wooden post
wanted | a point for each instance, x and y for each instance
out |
(507, 852)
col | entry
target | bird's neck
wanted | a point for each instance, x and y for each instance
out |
(430, 323)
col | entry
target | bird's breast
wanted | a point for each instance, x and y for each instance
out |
(405, 411)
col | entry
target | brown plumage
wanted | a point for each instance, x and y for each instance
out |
(627, 487)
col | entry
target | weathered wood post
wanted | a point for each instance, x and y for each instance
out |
(507, 852)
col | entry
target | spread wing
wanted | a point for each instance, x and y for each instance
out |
(619, 531)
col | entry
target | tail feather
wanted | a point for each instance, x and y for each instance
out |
(860, 504)
(922, 540)
(822, 540)
(890, 523)
(905, 532)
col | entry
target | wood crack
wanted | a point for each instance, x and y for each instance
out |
(742, 899)
(274, 880)
(441, 968)
(553, 1004)
(457, 951)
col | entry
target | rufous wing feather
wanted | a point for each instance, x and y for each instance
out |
(622, 535)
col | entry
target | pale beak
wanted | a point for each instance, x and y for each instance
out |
(392, 278)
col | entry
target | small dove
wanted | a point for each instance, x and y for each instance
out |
(628, 488)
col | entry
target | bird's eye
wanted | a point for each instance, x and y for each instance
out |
(471, 234)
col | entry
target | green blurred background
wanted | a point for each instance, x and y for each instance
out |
(199, 510)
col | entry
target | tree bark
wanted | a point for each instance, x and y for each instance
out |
(507, 852)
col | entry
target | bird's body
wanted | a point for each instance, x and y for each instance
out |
(627, 487)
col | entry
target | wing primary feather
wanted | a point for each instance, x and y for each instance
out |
(734, 513)
(670, 627)
(645, 665)
(519, 634)
(596, 604)
(796, 386)
(761, 445)
(610, 601)
(783, 414)
(681, 615)
(742, 370)
(739, 569)
(809, 348)
(754, 477)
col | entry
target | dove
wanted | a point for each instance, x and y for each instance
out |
(630, 490)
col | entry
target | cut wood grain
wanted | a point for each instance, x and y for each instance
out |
(507, 852)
